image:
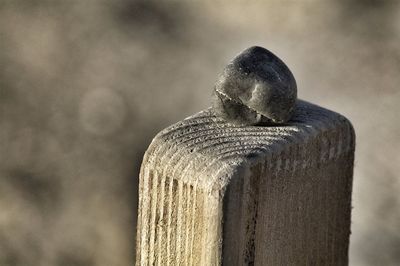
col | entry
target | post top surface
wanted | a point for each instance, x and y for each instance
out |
(206, 150)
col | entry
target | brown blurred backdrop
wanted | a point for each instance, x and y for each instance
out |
(85, 85)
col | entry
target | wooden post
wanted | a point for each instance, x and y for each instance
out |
(213, 193)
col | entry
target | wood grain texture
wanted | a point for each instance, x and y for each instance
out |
(213, 193)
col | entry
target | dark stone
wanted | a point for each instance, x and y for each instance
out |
(256, 87)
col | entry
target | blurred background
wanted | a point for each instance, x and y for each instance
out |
(85, 85)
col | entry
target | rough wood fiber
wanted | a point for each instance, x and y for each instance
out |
(213, 193)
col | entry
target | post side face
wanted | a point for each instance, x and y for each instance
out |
(189, 165)
(293, 207)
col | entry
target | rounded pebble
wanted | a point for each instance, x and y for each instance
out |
(256, 87)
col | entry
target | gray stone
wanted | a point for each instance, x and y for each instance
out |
(256, 87)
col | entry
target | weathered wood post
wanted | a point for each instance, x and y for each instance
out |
(212, 192)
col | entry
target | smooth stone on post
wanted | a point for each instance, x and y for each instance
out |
(214, 193)
(256, 87)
